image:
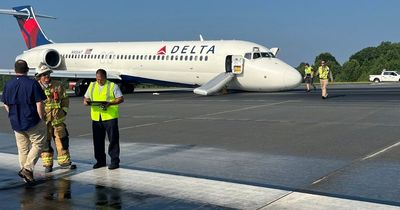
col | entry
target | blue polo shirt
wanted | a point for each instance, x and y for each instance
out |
(20, 95)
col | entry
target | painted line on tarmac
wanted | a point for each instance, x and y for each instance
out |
(381, 151)
(375, 154)
(225, 194)
(246, 108)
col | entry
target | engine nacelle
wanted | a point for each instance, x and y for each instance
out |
(36, 56)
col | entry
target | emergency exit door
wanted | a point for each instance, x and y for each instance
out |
(234, 64)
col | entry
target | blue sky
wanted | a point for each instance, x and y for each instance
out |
(302, 29)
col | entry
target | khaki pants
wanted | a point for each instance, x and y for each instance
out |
(324, 85)
(30, 144)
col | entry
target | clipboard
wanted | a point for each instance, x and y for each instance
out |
(97, 103)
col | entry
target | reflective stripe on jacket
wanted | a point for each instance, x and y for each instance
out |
(56, 104)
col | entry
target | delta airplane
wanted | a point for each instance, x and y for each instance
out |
(207, 65)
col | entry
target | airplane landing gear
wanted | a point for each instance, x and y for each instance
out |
(81, 86)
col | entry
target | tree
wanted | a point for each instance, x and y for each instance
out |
(370, 60)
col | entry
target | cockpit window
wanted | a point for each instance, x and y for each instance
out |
(267, 55)
(256, 55)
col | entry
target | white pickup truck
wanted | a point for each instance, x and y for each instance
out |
(385, 76)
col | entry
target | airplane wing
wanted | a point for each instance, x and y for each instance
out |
(69, 74)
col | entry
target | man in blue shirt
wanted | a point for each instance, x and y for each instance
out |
(23, 99)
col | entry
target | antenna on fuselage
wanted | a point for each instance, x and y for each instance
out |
(201, 38)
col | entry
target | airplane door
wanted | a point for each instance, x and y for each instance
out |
(237, 64)
(228, 63)
(234, 63)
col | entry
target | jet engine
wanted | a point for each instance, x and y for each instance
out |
(36, 56)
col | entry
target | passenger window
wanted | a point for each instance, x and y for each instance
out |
(206, 58)
(201, 58)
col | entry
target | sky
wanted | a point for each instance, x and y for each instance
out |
(302, 29)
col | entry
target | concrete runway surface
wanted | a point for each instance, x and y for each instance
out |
(236, 151)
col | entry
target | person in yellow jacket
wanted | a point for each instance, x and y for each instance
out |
(56, 108)
(324, 73)
(308, 77)
(104, 96)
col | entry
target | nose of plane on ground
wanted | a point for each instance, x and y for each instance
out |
(292, 78)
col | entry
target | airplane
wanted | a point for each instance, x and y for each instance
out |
(209, 66)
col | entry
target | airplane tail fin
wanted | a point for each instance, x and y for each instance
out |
(30, 28)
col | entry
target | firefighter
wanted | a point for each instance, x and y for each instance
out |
(56, 108)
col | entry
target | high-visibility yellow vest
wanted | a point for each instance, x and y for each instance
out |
(308, 70)
(106, 94)
(323, 72)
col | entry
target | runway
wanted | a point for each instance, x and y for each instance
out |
(345, 147)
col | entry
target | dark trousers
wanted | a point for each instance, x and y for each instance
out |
(100, 128)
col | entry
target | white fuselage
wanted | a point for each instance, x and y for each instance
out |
(183, 62)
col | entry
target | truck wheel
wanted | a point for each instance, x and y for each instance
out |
(376, 80)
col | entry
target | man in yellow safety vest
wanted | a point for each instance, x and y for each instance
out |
(104, 96)
(324, 74)
(308, 77)
(56, 108)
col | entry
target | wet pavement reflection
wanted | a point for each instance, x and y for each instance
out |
(62, 193)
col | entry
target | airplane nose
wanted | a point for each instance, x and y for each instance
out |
(292, 78)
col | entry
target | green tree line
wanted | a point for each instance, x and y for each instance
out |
(370, 60)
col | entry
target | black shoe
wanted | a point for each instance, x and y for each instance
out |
(113, 166)
(99, 165)
(27, 175)
(69, 166)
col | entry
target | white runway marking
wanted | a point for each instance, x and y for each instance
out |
(246, 108)
(226, 194)
(381, 151)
